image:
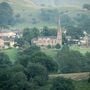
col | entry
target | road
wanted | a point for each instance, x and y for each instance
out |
(74, 76)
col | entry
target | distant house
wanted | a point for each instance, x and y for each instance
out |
(1, 43)
(7, 38)
(49, 40)
(85, 41)
(89, 40)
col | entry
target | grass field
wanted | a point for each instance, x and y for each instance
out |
(83, 50)
(80, 80)
(50, 52)
(12, 53)
(53, 52)
(82, 85)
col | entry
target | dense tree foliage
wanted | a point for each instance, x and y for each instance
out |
(34, 55)
(29, 34)
(6, 14)
(86, 6)
(4, 60)
(17, 77)
(44, 60)
(48, 15)
(48, 31)
(62, 84)
(72, 61)
(36, 73)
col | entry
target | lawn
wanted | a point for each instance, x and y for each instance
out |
(12, 53)
(51, 52)
(83, 50)
(82, 85)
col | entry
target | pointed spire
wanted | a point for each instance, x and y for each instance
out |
(59, 32)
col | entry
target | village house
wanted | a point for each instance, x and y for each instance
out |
(1, 43)
(49, 40)
(85, 41)
(7, 38)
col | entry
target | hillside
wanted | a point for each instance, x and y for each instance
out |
(61, 2)
(30, 10)
(46, 3)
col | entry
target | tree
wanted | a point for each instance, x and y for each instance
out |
(48, 15)
(20, 42)
(45, 31)
(71, 61)
(62, 84)
(57, 46)
(49, 46)
(83, 21)
(48, 31)
(25, 56)
(46, 61)
(86, 6)
(4, 60)
(29, 34)
(36, 73)
(6, 14)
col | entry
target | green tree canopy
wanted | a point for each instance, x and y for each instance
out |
(62, 84)
(6, 14)
(4, 60)
(71, 61)
(37, 73)
(29, 34)
(46, 61)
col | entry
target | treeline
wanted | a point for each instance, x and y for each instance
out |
(70, 61)
(31, 69)
(80, 21)
(6, 14)
(29, 72)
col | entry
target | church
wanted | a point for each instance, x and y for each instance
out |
(49, 40)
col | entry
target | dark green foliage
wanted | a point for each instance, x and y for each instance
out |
(31, 50)
(87, 61)
(46, 61)
(83, 23)
(62, 84)
(4, 60)
(57, 46)
(89, 79)
(49, 46)
(71, 61)
(37, 74)
(29, 34)
(25, 56)
(48, 32)
(6, 14)
(20, 42)
(86, 6)
(47, 15)
(75, 32)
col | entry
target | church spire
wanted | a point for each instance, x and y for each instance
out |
(59, 32)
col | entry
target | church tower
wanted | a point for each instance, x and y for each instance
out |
(59, 33)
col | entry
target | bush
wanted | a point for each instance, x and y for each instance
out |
(49, 46)
(36, 73)
(57, 46)
(62, 84)
(46, 61)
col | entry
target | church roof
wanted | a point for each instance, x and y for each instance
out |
(45, 37)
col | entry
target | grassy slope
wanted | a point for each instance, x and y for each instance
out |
(53, 52)
(12, 53)
(82, 50)
(82, 85)
(28, 11)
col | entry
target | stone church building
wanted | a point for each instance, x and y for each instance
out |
(49, 40)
